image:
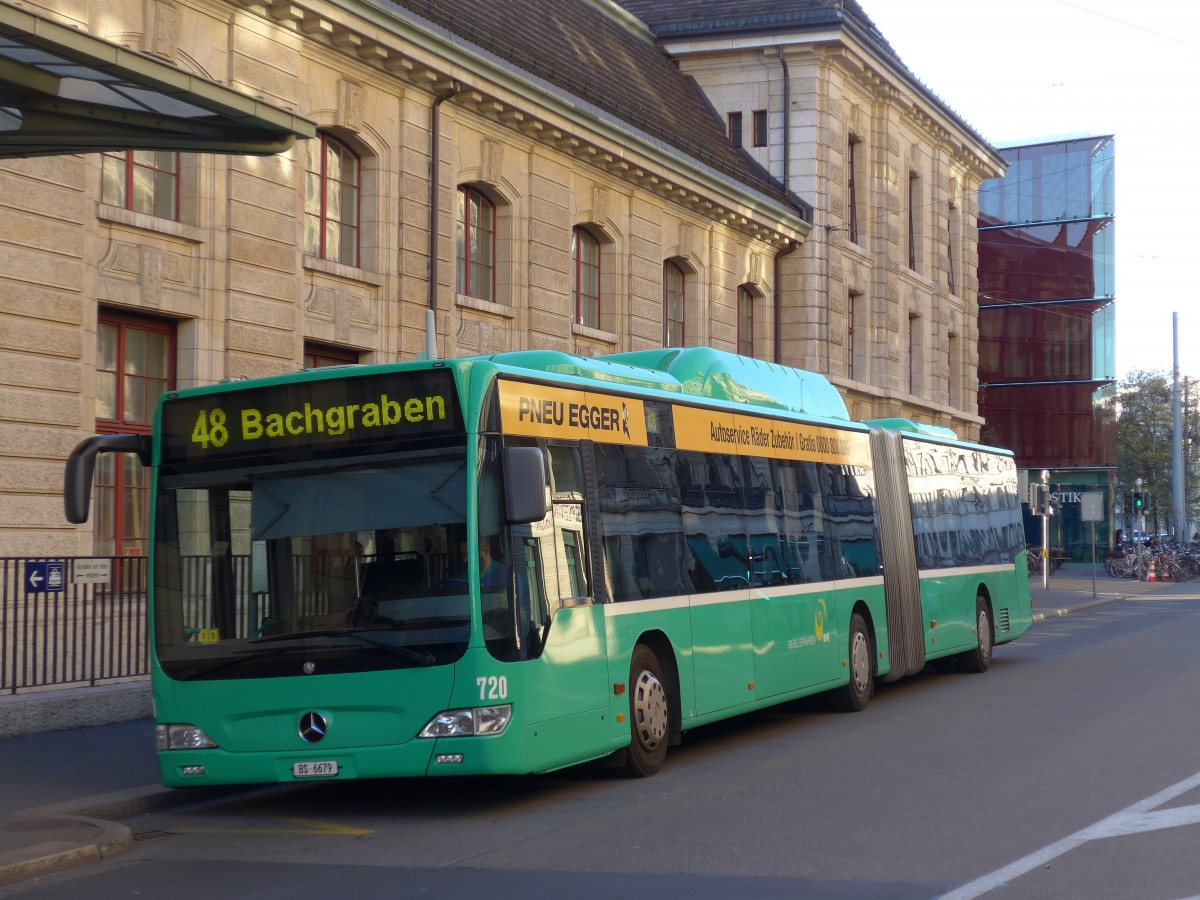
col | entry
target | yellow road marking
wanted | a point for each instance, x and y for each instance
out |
(301, 826)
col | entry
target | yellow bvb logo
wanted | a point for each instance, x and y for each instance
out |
(819, 620)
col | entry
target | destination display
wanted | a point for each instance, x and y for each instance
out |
(333, 413)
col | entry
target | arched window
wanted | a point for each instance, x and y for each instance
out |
(745, 321)
(585, 260)
(331, 200)
(674, 287)
(475, 242)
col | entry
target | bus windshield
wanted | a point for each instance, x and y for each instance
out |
(314, 569)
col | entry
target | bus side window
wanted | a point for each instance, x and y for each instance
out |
(570, 547)
(713, 521)
(639, 496)
(531, 587)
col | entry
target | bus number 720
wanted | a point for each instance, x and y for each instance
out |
(492, 688)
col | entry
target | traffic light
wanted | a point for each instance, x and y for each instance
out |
(1042, 501)
(1139, 500)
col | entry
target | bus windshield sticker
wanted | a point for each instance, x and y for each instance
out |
(716, 431)
(537, 410)
(333, 412)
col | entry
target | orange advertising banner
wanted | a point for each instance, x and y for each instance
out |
(716, 431)
(538, 410)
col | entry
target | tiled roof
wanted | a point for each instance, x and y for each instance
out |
(589, 55)
(669, 18)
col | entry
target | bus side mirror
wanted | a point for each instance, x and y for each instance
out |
(77, 480)
(525, 492)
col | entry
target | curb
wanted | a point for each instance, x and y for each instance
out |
(64, 709)
(1102, 600)
(71, 841)
(80, 832)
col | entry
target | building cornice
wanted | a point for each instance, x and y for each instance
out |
(858, 55)
(389, 38)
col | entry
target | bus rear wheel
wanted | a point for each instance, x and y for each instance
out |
(980, 658)
(649, 714)
(854, 696)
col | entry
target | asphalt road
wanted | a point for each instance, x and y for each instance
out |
(1070, 769)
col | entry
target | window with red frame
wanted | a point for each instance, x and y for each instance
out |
(914, 189)
(852, 163)
(914, 351)
(953, 236)
(585, 258)
(135, 362)
(674, 297)
(735, 128)
(852, 313)
(745, 320)
(475, 244)
(760, 128)
(144, 181)
(332, 175)
(317, 356)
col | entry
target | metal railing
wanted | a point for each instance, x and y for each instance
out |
(60, 626)
(83, 621)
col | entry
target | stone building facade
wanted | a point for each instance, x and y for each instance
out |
(588, 199)
(889, 274)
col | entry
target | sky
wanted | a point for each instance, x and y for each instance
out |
(1023, 71)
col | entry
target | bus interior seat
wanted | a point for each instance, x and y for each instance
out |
(390, 577)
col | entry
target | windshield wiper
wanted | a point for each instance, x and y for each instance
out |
(241, 657)
(415, 656)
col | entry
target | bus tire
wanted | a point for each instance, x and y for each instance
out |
(853, 696)
(649, 714)
(980, 658)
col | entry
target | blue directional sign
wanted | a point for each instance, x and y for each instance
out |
(44, 577)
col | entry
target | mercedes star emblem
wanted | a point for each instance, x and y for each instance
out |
(312, 727)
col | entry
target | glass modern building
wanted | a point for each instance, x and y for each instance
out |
(1047, 361)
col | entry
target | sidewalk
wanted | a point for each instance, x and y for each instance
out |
(1071, 590)
(64, 790)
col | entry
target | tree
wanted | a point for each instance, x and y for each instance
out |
(1145, 425)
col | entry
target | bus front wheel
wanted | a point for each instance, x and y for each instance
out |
(980, 658)
(854, 696)
(649, 714)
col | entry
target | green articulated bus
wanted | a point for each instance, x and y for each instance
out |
(519, 562)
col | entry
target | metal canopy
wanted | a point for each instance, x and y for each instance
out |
(64, 91)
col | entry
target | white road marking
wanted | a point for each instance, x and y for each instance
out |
(1139, 817)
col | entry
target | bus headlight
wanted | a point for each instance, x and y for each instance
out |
(480, 720)
(182, 737)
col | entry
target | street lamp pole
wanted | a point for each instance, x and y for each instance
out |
(1046, 529)
(1140, 522)
(1178, 499)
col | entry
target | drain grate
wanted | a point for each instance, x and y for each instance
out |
(151, 834)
